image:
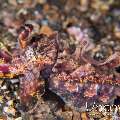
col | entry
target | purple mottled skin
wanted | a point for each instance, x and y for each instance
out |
(77, 84)
(35, 53)
(90, 82)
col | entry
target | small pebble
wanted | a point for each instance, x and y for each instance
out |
(1, 99)
(9, 110)
(46, 30)
(84, 5)
(13, 81)
(3, 87)
(19, 118)
(117, 30)
(10, 103)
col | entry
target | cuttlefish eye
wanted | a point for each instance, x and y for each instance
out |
(25, 31)
(29, 27)
(24, 35)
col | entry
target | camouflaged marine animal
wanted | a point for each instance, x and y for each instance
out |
(79, 85)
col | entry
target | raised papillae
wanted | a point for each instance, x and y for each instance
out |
(91, 82)
(38, 58)
(36, 53)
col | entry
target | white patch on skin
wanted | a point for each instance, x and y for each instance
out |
(29, 53)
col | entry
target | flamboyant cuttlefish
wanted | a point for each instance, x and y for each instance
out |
(37, 56)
